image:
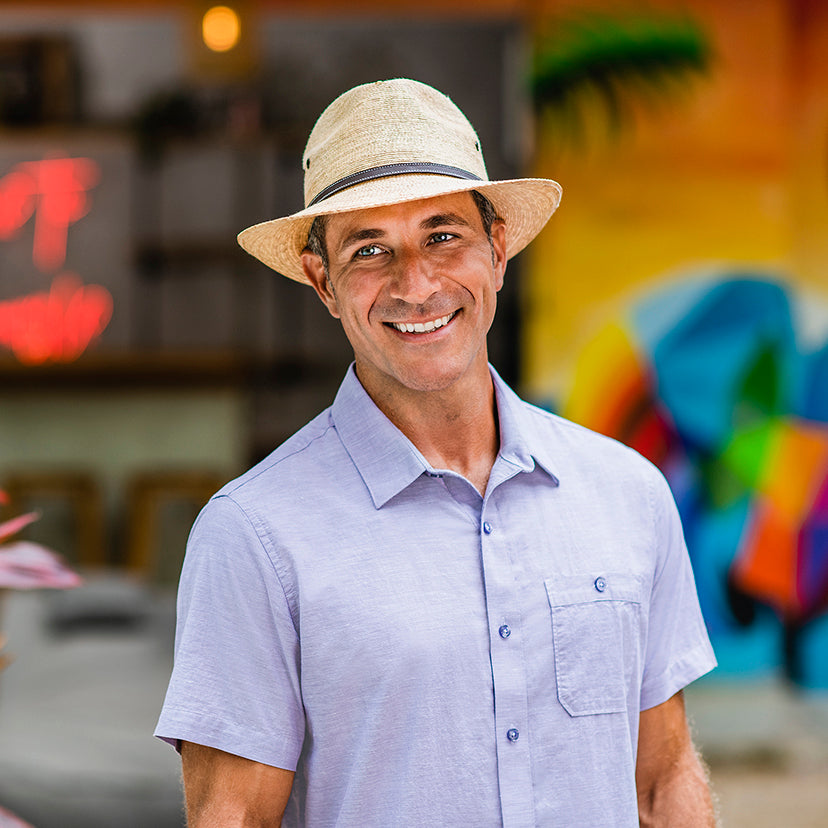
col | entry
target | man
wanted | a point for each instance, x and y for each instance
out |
(434, 605)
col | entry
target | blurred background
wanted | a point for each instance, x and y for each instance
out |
(678, 301)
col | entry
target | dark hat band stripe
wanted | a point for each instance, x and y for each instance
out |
(392, 169)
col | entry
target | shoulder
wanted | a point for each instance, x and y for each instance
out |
(589, 451)
(286, 495)
(280, 484)
(274, 498)
(601, 477)
(304, 454)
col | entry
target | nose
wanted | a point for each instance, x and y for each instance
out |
(413, 280)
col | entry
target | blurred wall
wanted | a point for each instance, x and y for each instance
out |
(732, 172)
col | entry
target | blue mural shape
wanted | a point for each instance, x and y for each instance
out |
(722, 381)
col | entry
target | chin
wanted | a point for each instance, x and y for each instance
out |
(431, 380)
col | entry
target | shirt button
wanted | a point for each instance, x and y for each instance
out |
(513, 734)
(600, 584)
(504, 631)
(487, 528)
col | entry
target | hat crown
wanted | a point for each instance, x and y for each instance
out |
(388, 122)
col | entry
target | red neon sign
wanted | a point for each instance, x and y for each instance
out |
(56, 325)
(55, 192)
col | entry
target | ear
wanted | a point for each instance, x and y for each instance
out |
(499, 251)
(315, 273)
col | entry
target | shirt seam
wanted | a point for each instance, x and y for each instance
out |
(655, 517)
(289, 742)
(270, 554)
(693, 663)
(240, 484)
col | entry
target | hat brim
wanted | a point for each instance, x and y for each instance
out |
(525, 204)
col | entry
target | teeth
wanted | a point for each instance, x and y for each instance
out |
(422, 327)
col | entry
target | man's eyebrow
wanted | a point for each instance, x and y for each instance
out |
(363, 234)
(442, 219)
(432, 222)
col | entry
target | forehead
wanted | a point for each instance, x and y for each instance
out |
(460, 205)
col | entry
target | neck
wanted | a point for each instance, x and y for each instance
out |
(454, 428)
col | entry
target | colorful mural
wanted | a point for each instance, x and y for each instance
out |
(722, 381)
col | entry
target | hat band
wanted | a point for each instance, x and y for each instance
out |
(391, 169)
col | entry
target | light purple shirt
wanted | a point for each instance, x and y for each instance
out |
(425, 656)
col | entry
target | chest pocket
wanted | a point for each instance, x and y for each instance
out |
(596, 627)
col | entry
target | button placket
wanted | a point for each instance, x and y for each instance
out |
(501, 576)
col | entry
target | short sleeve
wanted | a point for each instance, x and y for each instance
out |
(235, 680)
(678, 649)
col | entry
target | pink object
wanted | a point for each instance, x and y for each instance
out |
(13, 526)
(9, 820)
(25, 565)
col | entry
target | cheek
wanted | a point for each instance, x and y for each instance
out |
(349, 299)
(489, 285)
(358, 311)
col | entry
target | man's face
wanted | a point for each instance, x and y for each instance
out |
(415, 287)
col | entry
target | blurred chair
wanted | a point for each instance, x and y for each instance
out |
(151, 497)
(81, 539)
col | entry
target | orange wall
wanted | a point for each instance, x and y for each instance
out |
(735, 173)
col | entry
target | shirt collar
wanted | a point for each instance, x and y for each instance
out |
(385, 458)
(521, 442)
(388, 461)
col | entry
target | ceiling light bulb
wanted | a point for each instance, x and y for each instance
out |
(220, 28)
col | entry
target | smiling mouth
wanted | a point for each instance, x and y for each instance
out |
(422, 327)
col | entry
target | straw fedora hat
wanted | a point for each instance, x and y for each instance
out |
(388, 142)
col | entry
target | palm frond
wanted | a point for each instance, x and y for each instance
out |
(614, 63)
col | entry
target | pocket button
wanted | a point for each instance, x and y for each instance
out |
(600, 584)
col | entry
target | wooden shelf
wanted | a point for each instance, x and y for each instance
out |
(185, 370)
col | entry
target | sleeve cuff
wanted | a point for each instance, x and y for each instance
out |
(682, 672)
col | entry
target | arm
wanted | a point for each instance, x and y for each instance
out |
(669, 776)
(227, 791)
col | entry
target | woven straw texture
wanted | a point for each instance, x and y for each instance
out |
(392, 122)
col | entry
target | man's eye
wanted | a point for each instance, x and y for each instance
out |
(442, 237)
(368, 251)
